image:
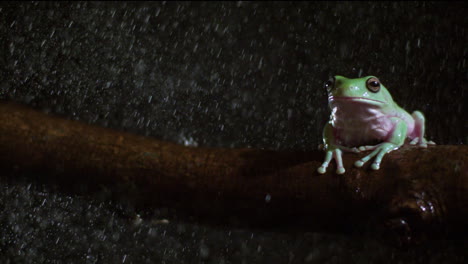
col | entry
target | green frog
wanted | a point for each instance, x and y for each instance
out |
(365, 117)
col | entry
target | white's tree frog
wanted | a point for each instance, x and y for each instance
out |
(365, 117)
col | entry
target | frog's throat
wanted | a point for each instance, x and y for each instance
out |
(356, 100)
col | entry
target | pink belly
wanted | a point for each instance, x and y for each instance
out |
(362, 124)
(355, 133)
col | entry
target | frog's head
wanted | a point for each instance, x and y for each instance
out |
(361, 91)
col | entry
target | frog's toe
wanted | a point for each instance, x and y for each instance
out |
(322, 169)
(356, 150)
(359, 163)
(365, 148)
(414, 141)
(340, 170)
(424, 142)
(375, 166)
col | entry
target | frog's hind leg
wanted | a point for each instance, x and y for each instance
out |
(419, 130)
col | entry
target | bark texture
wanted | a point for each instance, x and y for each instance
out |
(417, 192)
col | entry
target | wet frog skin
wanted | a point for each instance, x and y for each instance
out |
(364, 113)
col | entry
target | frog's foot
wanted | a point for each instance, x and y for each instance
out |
(422, 142)
(379, 151)
(332, 154)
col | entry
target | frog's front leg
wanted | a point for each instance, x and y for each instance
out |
(333, 151)
(396, 140)
(419, 129)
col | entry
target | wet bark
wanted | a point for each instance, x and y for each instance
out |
(417, 192)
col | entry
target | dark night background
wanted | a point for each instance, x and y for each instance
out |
(228, 74)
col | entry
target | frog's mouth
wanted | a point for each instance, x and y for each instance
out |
(356, 100)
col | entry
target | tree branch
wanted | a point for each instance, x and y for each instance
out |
(417, 192)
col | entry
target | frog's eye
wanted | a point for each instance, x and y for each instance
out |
(373, 84)
(329, 84)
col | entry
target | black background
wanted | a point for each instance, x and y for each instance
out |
(229, 74)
